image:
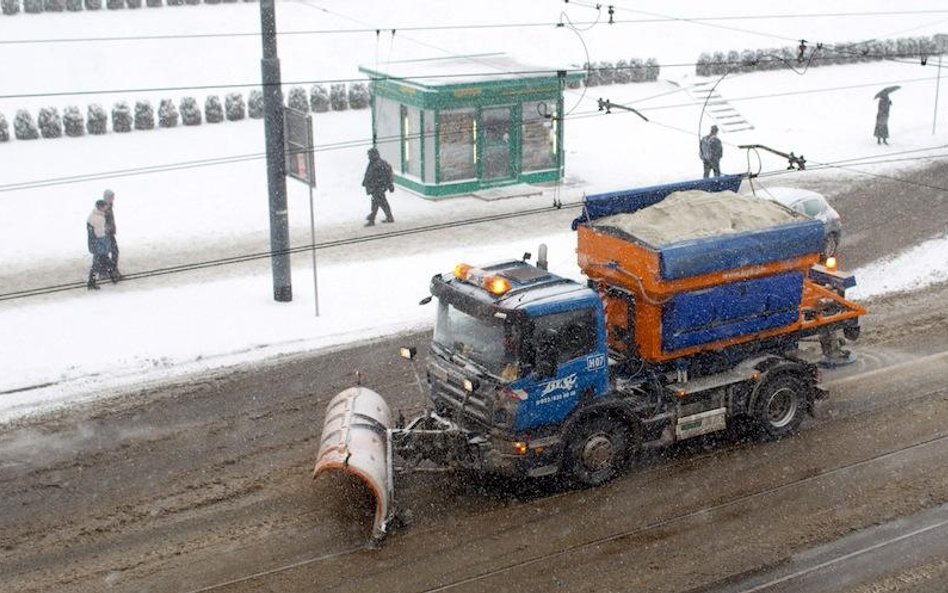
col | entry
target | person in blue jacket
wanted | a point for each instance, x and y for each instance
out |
(99, 245)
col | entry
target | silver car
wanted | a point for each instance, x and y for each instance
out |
(813, 205)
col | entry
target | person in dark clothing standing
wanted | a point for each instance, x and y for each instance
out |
(98, 245)
(882, 120)
(711, 151)
(109, 197)
(378, 178)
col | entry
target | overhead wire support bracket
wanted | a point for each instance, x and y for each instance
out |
(795, 162)
(607, 105)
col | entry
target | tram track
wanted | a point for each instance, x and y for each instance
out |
(539, 561)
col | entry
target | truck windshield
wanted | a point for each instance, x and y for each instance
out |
(488, 342)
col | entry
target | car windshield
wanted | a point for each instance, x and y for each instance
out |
(489, 342)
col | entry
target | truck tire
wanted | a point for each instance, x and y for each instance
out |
(780, 406)
(596, 450)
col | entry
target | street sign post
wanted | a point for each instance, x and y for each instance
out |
(300, 165)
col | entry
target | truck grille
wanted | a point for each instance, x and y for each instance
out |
(452, 400)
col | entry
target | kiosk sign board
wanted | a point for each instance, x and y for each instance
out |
(299, 146)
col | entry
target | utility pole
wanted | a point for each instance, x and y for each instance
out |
(276, 163)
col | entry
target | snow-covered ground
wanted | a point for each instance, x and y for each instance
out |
(66, 347)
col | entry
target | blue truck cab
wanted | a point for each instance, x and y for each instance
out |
(515, 350)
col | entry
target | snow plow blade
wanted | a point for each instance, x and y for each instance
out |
(356, 441)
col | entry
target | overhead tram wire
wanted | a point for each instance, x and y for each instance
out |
(416, 28)
(473, 74)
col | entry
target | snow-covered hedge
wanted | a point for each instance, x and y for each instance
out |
(10, 7)
(144, 116)
(33, 6)
(296, 99)
(73, 124)
(777, 58)
(97, 121)
(54, 5)
(167, 114)
(4, 129)
(337, 97)
(255, 104)
(93, 4)
(23, 126)
(319, 98)
(114, 4)
(234, 107)
(213, 111)
(153, 3)
(358, 95)
(49, 122)
(73, 5)
(121, 117)
(190, 112)
(652, 69)
(133, 3)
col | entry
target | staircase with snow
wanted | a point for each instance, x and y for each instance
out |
(718, 109)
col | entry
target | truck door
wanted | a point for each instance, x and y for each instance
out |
(569, 361)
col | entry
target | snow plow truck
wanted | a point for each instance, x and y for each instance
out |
(673, 335)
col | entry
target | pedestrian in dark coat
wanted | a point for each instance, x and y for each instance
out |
(710, 150)
(882, 120)
(378, 178)
(110, 231)
(98, 245)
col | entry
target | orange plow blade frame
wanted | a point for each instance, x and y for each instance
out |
(356, 440)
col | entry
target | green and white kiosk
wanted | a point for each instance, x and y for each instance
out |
(456, 125)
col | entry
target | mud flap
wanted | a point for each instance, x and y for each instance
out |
(356, 441)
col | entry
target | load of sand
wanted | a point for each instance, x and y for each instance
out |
(694, 214)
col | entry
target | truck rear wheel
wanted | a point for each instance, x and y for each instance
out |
(780, 407)
(596, 450)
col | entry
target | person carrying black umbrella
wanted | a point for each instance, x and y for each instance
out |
(882, 115)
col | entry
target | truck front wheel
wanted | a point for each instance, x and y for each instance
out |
(596, 450)
(780, 407)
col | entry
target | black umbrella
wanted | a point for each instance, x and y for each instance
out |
(884, 92)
